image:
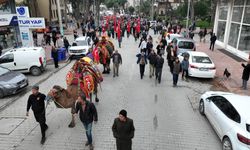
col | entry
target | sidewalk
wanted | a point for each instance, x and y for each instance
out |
(234, 82)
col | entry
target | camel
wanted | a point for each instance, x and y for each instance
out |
(65, 98)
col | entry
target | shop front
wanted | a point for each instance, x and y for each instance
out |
(232, 26)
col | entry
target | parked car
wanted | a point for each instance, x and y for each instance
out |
(25, 59)
(182, 45)
(229, 114)
(171, 36)
(11, 82)
(200, 65)
(80, 46)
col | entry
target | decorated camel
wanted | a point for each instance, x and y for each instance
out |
(106, 49)
(83, 78)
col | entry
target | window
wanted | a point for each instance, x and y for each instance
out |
(239, 2)
(245, 38)
(201, 59)
(221, 30)
(227, 108)
(247, 15)
(186, 45)
(237, 14)
(234, 34)
(7, 59)
(223, 13)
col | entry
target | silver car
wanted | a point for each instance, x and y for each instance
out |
(182, 45)
(11, 82)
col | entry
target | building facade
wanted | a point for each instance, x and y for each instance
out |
(232, 26)
(9, 32)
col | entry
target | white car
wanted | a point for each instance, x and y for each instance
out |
(25, 59)
(80, 46)
(171, 36)
(229, 114)
(200, 65)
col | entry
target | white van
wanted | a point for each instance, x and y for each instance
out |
(25, 59)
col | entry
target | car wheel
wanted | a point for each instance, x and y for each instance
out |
(1, 94)
(201, 107)
(35, 71)
(226, 144)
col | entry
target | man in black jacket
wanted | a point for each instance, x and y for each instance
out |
(117, 60)
(212, 42)
(88, 114)
(36, 102)
(152, 60)
(245, 74)
(123, 130)
(159, 65)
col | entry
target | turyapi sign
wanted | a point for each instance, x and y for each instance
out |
(31, 23)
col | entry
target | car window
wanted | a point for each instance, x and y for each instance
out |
(186, 44)
(201, 59)
(248, 127)
(82, 43)
(7, 59)
(3, 71)
(227, 108)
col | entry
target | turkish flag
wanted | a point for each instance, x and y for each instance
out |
(115, 22)
(118, 31)
(96, 55)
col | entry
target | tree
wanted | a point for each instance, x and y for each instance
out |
(131, 10)
(145, 7)
(201, 9)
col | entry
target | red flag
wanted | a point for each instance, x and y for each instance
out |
(96, 55)
(128, 26)
(114, 22)
(138, 27)
(119, 30)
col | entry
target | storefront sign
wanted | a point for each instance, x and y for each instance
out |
(31, 23)
(22, 12)
(8, 19)
(26, 37)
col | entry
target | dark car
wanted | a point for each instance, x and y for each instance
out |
(11, 82)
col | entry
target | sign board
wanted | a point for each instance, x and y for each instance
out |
(26, 37)
(22, 12)
(31, 23)
(8, 19)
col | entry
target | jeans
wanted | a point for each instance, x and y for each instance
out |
(158, 73)
(212, 46)
(184, 73)
(88, 128)
(41, 119)
(244, 84)
(116, 69)
(151, 70)
(142, 69)
(175, 78)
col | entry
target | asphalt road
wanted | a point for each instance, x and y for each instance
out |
(165, 118)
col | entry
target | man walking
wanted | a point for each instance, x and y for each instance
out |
(184, 66)
(88, 114)
(142, 61)
(36, 102)
(159, 66)
(176, 71)
(117, 60)
(152, 60)
(1, 50)
(212, 42)
(66, 43)
(123, 131)
(54, 53)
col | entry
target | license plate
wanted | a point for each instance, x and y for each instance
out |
(203, 69)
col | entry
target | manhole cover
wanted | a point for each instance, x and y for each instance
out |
(9, 124)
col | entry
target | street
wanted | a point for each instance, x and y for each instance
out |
(165, 117)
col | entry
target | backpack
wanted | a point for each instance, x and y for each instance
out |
(142, 61)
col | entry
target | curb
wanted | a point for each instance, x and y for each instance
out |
(29, 87)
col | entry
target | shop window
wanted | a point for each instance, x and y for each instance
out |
(221, 30)
(245, 38)
(247, 15)
(223, 13)
(237, 14)
(234, 34)
(239, 2)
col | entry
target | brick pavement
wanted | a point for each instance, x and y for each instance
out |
(222, 61)
(164, 117)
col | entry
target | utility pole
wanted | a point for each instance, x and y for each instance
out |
(59, 16)
(187, 15)
(152, 13)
